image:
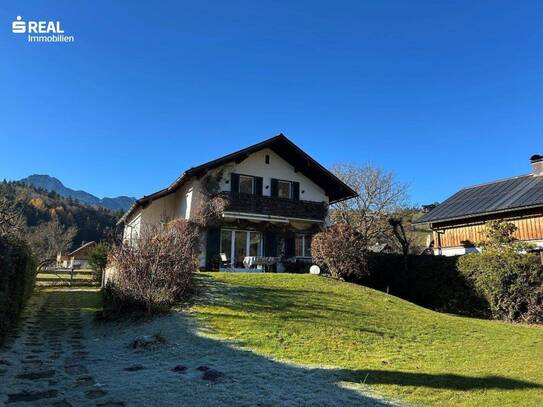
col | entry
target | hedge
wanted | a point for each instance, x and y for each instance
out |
(17, 277)
(430, 281)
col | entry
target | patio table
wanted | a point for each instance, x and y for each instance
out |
(249, 261)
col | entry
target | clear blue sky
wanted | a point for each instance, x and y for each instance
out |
(444, 93)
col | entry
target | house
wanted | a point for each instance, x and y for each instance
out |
(277, 198)
(78, 259)
(459, 222)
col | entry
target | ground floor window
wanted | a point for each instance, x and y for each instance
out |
(303, 246)
(238, 244)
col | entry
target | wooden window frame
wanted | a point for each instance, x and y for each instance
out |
(289, 188)
(252, 184)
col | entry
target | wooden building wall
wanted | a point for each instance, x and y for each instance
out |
(529, 228)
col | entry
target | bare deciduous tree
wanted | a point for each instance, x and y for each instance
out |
(399, 233)
(11, 219)
(49, 239)
(380, 195)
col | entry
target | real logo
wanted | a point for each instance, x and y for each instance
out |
(36, 27)
(18, 26)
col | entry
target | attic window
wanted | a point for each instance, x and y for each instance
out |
(267, 159)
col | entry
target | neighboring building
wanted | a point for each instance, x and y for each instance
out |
(428, 208)
(459, 222)
(381, 248)
(277, 198)
(78, 259)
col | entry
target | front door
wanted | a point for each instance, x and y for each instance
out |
(238, 244)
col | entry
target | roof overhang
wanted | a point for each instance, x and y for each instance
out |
(467, 218)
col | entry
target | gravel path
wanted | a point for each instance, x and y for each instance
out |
(46, 362)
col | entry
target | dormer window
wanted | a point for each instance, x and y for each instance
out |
(284, 189)
(246, 184)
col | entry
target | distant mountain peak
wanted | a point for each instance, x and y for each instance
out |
(49, 183)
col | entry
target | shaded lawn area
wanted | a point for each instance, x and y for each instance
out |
(396, 348)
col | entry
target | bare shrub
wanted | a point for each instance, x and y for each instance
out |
(341, 251)
(155, 270)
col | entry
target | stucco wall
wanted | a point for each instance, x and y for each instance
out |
(277, 168)
(160, 210)
(132, 227)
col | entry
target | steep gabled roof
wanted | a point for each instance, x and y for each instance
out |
(336, 189)
(512, 194)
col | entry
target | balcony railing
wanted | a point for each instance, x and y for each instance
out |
(273, 206)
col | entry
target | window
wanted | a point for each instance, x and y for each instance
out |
(226, 243)
(303, 246)
(237, 244)
(283, 189)
(246, 184)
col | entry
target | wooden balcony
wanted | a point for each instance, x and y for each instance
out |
(273, 206)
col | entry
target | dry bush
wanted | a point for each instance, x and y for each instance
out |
(341, 250)
(11, 219)
(210, 209)
(155, 270)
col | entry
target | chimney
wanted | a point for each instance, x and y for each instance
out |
(537, 165)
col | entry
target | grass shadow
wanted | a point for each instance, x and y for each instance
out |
(437, 381)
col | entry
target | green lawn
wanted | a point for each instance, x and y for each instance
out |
(399, 349)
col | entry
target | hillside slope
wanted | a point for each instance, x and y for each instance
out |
(38, 208)
(398, 349)
(119, 203)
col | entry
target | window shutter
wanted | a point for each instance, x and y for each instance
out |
(273, 187)
(296, 191)
(258, 185)
(234, 182)
(213, 243)
(290, 245)
(270, 244)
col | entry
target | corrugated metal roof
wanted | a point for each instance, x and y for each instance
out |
(521, 192)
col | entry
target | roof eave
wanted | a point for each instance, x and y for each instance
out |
(476, 215)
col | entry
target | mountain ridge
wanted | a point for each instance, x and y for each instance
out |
(49, 183)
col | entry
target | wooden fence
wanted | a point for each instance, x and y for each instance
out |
(67, 277)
